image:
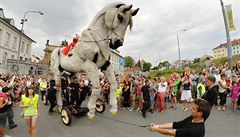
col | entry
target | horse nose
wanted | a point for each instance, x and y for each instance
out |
(118, 43)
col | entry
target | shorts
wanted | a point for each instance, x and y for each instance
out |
(28, 117)
(3, 119)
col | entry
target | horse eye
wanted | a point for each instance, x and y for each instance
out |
(120, 17)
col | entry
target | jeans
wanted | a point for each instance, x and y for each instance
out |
(10, 116)
(3, 119)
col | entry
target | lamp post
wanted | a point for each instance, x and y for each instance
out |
(229, 44)
(179, 55)
(21, 33)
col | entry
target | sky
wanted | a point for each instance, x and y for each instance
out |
(154, 34)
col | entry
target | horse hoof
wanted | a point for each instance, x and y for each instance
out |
(90, 116)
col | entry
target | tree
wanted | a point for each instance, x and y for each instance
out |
(165, 64)
(146, 66)
(129, 61)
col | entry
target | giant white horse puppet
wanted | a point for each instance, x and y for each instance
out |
(92, 52)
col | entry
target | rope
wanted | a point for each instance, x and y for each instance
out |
(124, 122)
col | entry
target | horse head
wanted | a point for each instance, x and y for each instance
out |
(117, 19)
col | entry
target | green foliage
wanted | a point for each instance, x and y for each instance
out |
(146, 66)
(129, 61)
(165, 73)
(220, 61)
(163, 64)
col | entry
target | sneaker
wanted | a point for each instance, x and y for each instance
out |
(224, 108)
(138, 109)
(13, 126)
(183, 108)
(131, 109)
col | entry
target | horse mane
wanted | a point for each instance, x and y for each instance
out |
(105, 9)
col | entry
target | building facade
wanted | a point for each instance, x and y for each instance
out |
(221, 50)
(117, 62)
(9, 44)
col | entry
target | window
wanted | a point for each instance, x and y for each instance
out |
(7, 39)
(22, 46)
(27, 49)
(12, 56)
(1, 35)
(14, 44)
(21, 58)
(25, 59)
(4, 61)
(233, 48)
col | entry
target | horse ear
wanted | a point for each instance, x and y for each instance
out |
(119, 5)
(134, 12)
(127, 8)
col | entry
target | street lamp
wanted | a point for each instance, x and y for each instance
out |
(179, 55)
(21, 33)
(229, 44)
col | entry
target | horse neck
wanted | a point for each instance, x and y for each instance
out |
(99, 27)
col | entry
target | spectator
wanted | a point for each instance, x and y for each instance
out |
(211, 91)
(192, 126)
(10, 114)
(31, 110)
(186, 92)
(3, 113)
(146, 97)
(235, 93)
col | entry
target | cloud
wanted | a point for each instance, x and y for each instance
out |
(154, 33)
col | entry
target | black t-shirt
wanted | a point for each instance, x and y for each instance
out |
(75, 87)
(186, 128)
(146, 93)
(211, 95)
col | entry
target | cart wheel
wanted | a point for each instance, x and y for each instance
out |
(66, 116)
(45, 100)
(100, 106)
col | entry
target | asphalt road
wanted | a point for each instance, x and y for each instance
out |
(219, 124)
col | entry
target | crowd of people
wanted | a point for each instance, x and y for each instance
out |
(134, 92)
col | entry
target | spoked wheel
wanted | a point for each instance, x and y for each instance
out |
(45, 100)
(100, 106)
(66, 116)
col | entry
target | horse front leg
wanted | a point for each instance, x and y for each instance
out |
(109, 74)
(92, 73)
